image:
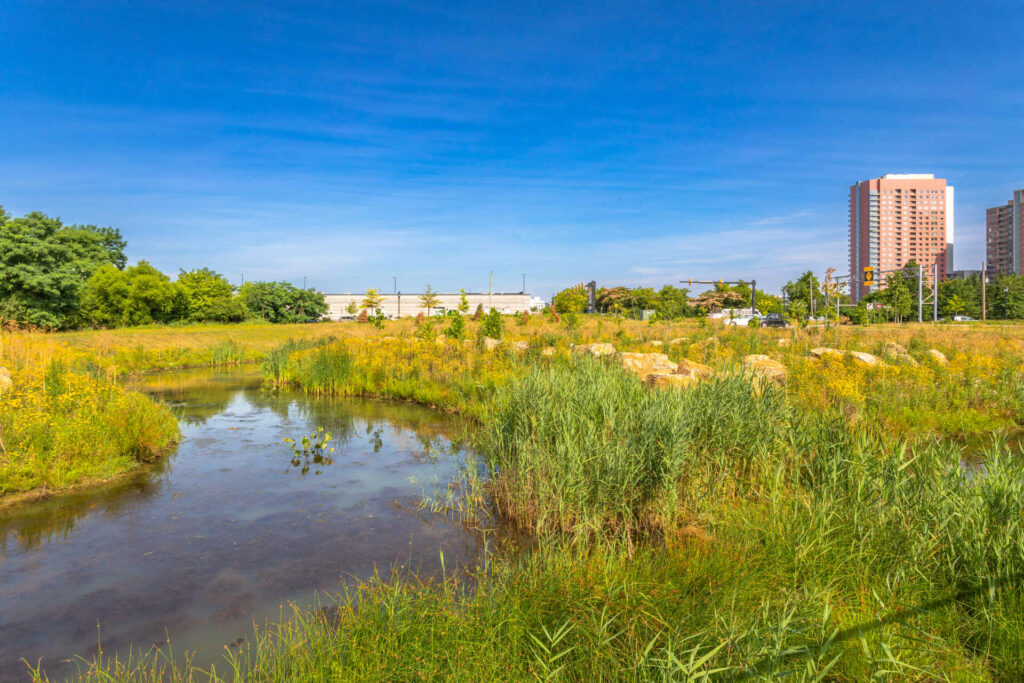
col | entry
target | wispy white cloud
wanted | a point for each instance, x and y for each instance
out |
(778, 220)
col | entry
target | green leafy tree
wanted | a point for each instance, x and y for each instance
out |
(456, 326)
(961, 297)
(352, 308)
(673, 303)
(282, 302)
(493, 326)
(429, 300)
(570, 301)
(372, 300)
(806, 289)
(463, 302)
(139, 295)
(210, 297)
(45, 264)
(426, 331)
(377, 319)
(1006, 297)
(955, 305)
(897, 296)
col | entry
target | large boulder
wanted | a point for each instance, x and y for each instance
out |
(672, 381)
(864, 358)
(938, 356)
(644, 364)
(678, 340)
(596, 349)
(490, 344)
(825, 351)
(692, 368)
(766, 368)
(905, 359)
(520, 346)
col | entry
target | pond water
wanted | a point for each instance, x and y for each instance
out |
(226, 530)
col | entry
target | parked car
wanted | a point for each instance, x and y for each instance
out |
(741, 321)
(963, 319)
(774, 320)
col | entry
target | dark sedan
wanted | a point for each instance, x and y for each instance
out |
(773, 320)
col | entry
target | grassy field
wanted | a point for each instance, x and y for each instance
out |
(821, 529)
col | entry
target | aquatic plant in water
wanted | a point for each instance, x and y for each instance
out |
(311, 450)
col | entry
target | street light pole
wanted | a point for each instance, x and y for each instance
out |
(984, 277)
(394, 284)
(524, 283)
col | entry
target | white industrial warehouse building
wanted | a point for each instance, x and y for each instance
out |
(404, 305)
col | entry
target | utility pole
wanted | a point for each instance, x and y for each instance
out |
(524, 283)
(921, 291)
(394, 284)
(811, 294)
(984, 277)
(935, 292)
(399, 294)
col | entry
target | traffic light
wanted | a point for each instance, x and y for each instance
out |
(869, 275)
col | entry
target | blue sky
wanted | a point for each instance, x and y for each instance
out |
(630, 143)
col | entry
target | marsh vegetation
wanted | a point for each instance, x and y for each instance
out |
(820, 527)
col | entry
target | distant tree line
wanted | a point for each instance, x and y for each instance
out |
(58, 276)
(813, 295)
(667, 303)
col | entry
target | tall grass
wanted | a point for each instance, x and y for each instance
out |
(62, 423)
(588, 448)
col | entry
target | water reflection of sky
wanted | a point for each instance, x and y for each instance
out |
(226, 530)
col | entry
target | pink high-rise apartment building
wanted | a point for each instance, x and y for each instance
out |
(897, 218)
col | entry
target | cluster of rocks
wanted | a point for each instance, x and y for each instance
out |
(893, 351)
(658, 371)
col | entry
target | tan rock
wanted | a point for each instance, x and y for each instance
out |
(938, 356)
(672, 381)
(657, 342)
(548, 351)
(644, 364)
(596, 349)
(765, 367)
(692, 368)
(905, 359)
(864, 358)
(520, 346)
(5, 379)
(678, 340)
(823, 351)
(490, 344)
(893, 348)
